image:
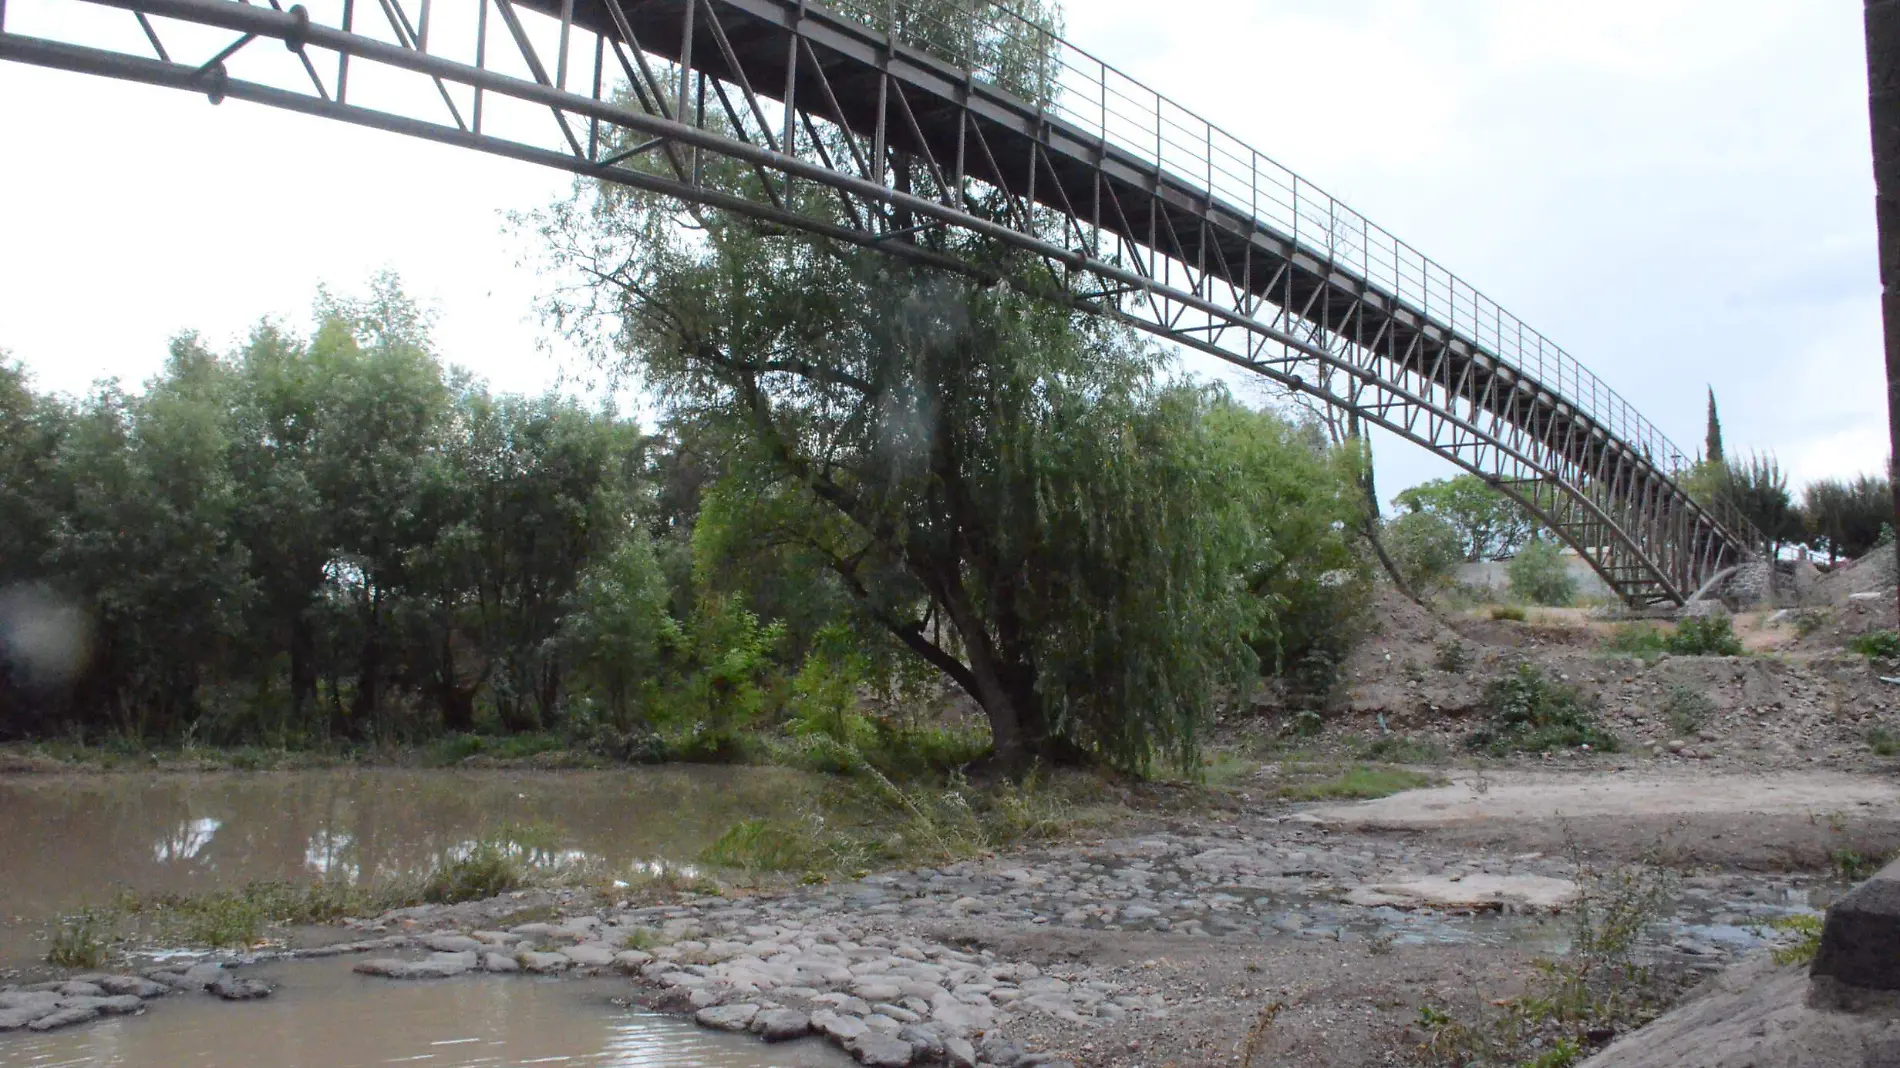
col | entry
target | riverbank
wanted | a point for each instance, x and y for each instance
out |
(1310, 934)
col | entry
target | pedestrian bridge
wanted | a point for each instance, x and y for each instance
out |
(916, 116)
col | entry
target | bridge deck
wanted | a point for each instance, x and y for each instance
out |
(1207, 244)
(1056, 164)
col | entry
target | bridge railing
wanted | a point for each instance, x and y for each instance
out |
(1104, 103)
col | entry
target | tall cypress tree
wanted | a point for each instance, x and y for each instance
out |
(1714, 445)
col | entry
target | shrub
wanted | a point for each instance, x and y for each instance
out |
(1452, 657)
(484, 871)
(1883, 742)
(1540, 574)
(1638, 639)
(80, 941)
(1877, 645)
(1426, 549)
(1687, 709)
(1507, 612)
(1531, 713)
(1705, 636)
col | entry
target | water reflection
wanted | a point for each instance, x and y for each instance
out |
(187, 840)
(70, 841)
(324, 1016)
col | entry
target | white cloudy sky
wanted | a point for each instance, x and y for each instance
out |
(1677, 191)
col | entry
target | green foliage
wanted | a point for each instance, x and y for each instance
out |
(1883, 742)
(1508, 613)
(1852, 866)
(1758, 489)
(1400, 749)
(1602, 982)
(1845, 519)
(81, 941)
(1638, 639)
(484, 870)
(871, 819)
(1803, 934)
(1426, 548)
(1532, 713)
(1712, 443)
(1540, 574)
(1358, 782)
(1452, 657)
(1705, 636)
(1490, 526)
(1877, 645)
(1687, 708)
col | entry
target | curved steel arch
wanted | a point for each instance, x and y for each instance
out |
(1292, 285)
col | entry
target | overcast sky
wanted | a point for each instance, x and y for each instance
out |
(1677, 191)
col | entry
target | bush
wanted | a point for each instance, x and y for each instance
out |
(1531, 713)
(80, 941)
(1638, 639)
(1452, 657)
(1705, 636)
(1426, 549)
(1687, 709)
(1883, 742)
(1509, 613)
(485, 871)
(1540, 575)
(1878, 645)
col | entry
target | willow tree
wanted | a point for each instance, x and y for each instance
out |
(1012, 492)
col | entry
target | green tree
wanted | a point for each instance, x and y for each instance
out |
(1426, 548)
(1758, 489)
(1844, 518)
(1712, 442)
(1490, 525)
(1540, 574)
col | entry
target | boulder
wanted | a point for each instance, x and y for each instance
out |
(233, 988)
(781, 1025)
(727, 1017)
(1860, 940)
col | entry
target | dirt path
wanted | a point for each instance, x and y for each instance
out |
(1769, 820)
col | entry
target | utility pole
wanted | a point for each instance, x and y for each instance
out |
(1883, 109)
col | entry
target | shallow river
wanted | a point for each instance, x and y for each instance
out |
(68, 841)
(323, 1016)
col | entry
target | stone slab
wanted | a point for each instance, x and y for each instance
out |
(1860, 941)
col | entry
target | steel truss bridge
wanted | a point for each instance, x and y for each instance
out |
(1139, 210)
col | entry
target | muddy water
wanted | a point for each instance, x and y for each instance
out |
(70, 841)
(322, 1016)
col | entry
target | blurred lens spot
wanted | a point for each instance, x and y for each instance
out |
(44, 638)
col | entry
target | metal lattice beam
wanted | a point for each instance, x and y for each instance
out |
(1137, 210)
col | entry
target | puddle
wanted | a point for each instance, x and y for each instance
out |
(322, 1016)
(73, 840)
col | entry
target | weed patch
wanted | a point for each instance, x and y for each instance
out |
(484, 871)
(1359, 782)
(1800, 939)
(1598, 986)
(1879, 645)
(81, 941)
(1452, 657)
(1883, 742)
(1705, 636)
(1402, 749)
(1531, 713)
(1688, 709)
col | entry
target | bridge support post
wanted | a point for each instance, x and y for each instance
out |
(1883, 108)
